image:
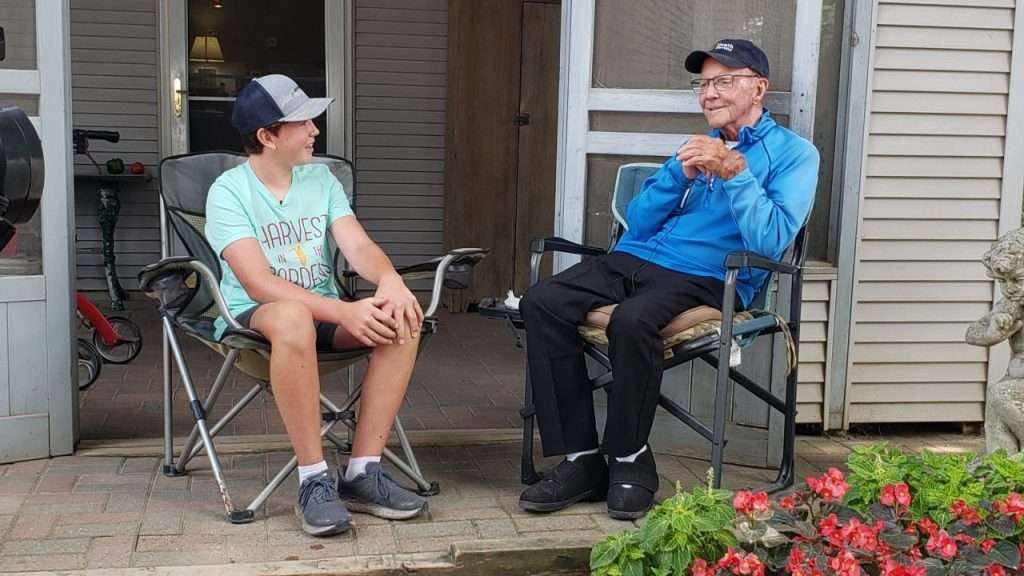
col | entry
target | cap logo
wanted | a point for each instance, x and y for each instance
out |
(724, 46)
(291, 96)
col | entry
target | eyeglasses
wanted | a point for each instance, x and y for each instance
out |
(723, 83)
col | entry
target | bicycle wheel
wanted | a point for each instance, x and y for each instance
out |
(89, 364)
(127, 349)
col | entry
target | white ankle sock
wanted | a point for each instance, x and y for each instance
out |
(357, 466)
(632, 457)
(571, 457)
(311, 470)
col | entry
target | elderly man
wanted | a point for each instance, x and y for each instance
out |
(706, 201)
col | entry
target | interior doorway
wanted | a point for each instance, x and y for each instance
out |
(503, 63)
(229, 43)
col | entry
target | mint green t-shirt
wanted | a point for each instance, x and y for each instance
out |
(293, 233)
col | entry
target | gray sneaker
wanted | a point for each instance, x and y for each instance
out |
(319, 509)
(374, 492)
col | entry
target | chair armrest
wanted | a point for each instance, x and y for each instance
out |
(556, 244)
(449, 271)
(752, 260)
(541, 246)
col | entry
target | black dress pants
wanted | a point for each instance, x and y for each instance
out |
(648, 298)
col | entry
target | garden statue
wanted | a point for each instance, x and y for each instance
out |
(1004, 402)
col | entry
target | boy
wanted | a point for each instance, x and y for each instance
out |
(268, 220)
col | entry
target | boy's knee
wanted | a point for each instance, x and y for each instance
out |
(288, 323)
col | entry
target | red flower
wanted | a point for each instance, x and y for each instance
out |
(896, 495)
(893, 568)
(700, 568)
(741, 564)
(831, 487)
(860, 535)
(987, 545)
(927, 526)
(903, 494)
(829, 530)
(965, 513)
(888, 496)
(746, 502)
(788, 502)
(750, 565)
(844, 564)
(995, 570)
(942, 544)
(1012, 506)
(730, 559)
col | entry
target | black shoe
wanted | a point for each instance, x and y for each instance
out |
(585, 479)
(632, 486)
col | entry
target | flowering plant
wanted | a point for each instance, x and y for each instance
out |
(894, 515)
(812, 533)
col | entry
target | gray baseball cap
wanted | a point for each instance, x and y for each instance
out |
(274, 98)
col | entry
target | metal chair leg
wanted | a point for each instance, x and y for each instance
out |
(527, 471)
(211, 399)
(235, 516)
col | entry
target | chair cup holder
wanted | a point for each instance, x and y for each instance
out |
(458, 276)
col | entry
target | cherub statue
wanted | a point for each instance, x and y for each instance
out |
(1004, 402)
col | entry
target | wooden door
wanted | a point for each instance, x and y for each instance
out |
(499, 185)
(538, 109)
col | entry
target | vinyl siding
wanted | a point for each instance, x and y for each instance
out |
(931, 208)
(400, 100)
(114, 87)
(814, 331)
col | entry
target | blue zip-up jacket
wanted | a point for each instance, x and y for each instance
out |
(761, 209)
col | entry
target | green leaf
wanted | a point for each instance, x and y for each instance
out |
(633, 568)
(1002, 524)
(898, 540)
(605, 552)
(933, 567)
(1005, 553)
(681, 560)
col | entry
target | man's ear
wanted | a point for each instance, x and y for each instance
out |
(762, 89)
(266, 138)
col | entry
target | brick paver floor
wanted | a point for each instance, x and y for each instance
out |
(470, 375)
(83, 512)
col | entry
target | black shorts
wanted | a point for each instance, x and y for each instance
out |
(324, 330)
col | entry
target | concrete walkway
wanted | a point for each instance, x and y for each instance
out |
(111, 512)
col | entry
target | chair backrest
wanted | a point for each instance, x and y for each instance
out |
(629, 181)
(185, 181)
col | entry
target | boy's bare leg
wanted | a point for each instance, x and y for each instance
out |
(387, 378)
(294, 377)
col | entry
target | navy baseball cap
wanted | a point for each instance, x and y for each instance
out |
(274, 98)
(732, 53)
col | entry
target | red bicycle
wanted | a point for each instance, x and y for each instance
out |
(115, 339)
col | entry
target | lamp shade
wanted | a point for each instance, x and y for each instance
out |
(206, 48)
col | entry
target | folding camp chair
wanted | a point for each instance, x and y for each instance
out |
(187, 289)
(703, 332)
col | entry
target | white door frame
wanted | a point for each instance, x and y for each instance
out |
(42, 420)
(339, 48)
(576, 99)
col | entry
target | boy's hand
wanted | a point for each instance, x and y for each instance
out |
(367, 321)
(402, 307)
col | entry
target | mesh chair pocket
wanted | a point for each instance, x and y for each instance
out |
(174, 290)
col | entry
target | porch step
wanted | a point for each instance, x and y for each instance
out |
(542, 556)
